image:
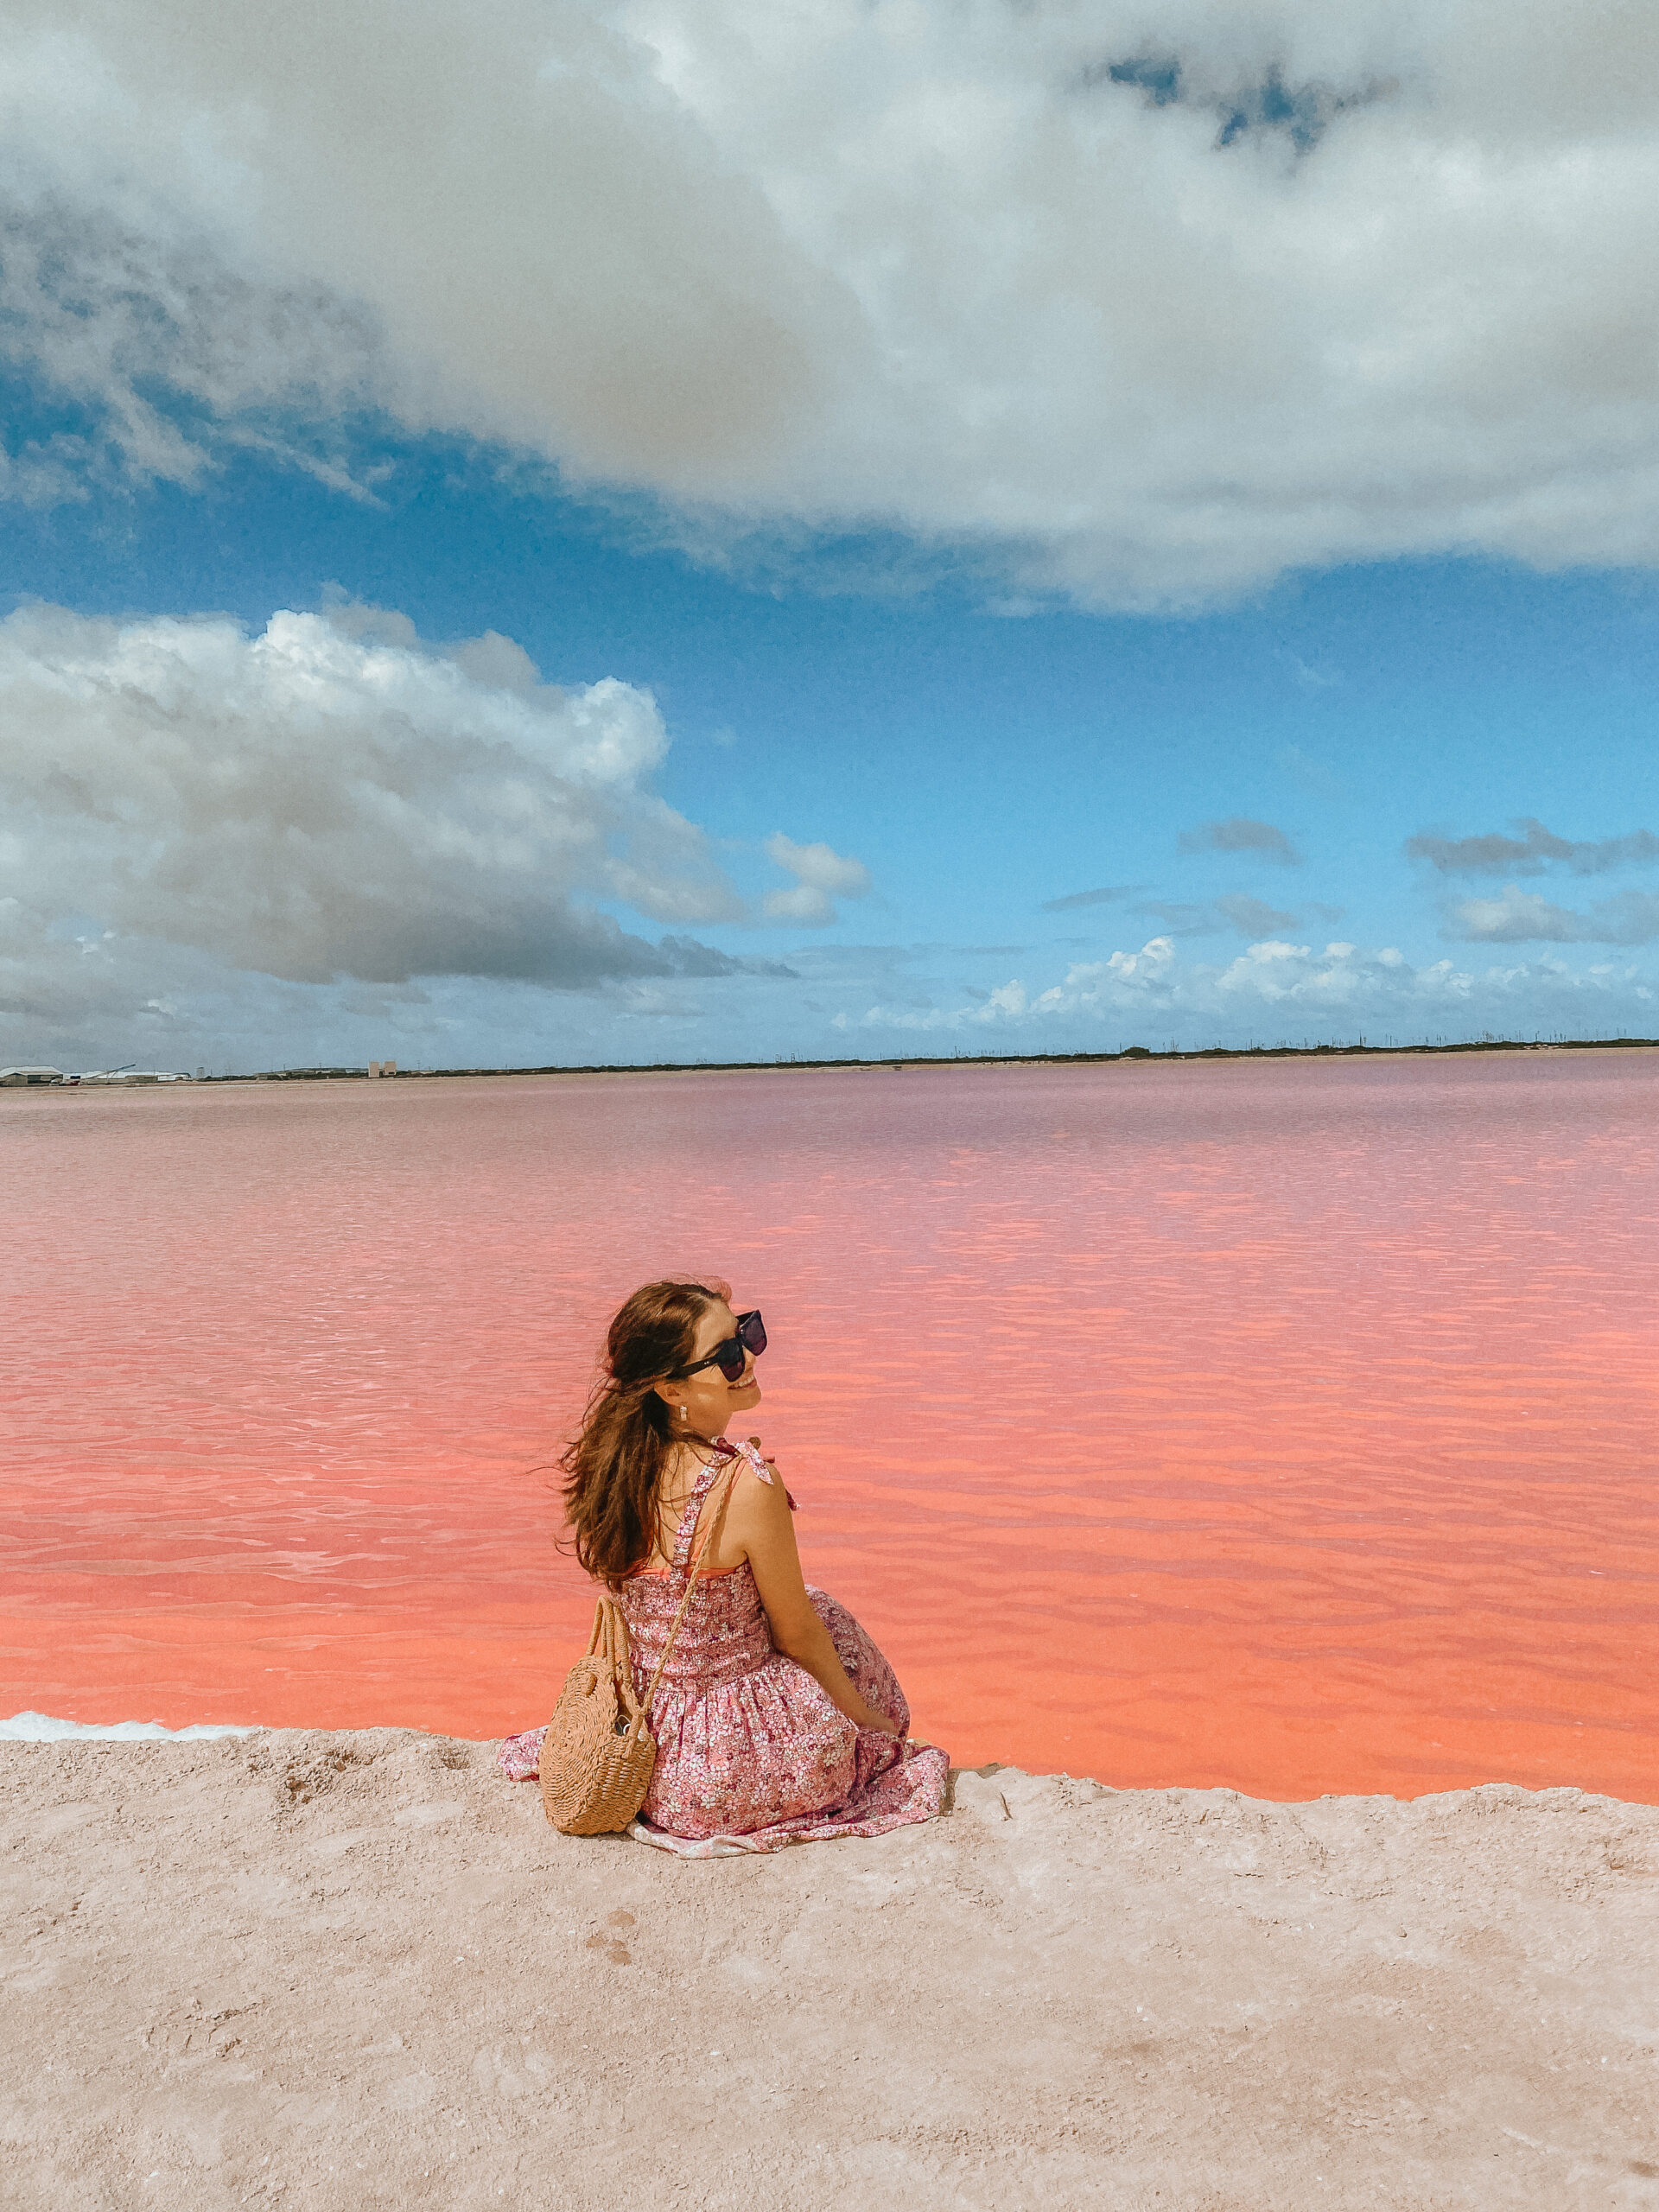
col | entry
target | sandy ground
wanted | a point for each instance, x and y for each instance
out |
(360, 1970)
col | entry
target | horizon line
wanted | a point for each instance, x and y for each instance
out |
(1133, 1054)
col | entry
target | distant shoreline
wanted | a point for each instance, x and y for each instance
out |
(1133, 1055)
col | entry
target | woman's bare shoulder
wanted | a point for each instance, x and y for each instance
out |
(751, 1486)
(755, 1494)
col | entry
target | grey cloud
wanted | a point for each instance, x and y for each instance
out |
(1533, 852)
(684, 956)
(1252, 917)
(330, 798)
(756, 283)
(1517, 917)
(1238, 834)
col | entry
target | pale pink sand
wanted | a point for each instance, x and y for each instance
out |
(360, 1970)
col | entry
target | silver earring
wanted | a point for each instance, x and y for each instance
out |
(681, 1412)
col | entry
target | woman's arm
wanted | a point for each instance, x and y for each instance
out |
(759, 1526)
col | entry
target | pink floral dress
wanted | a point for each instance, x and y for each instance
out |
(751, 1753)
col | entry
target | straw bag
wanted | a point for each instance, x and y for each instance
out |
(598, 1756)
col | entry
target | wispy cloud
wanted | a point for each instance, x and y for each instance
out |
(1238, 834)
(1253, 918)
(1312, 775)
(1234, 910)
(1106, 896)
(1182, 918)
(1310, 678)
(1533, 852)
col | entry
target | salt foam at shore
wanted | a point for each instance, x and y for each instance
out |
(45, 1728)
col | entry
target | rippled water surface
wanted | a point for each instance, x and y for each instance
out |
(1288, 1425)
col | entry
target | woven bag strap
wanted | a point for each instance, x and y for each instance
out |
(692, 1584)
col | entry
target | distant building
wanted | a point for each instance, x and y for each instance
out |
(30, 1075)
(383, 1067)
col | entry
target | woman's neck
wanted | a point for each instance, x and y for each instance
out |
(686, 1453)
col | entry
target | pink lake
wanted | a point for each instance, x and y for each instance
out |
(1288, 1425)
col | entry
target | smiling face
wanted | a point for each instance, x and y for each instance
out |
(710, 1401)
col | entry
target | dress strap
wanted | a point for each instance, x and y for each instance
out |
(700, 1490)
(767, 1473)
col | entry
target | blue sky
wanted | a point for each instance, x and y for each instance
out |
(1105, 734)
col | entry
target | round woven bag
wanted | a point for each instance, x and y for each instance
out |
(598, 1756)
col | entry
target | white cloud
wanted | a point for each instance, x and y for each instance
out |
(820, 875)
(1516, 917)
(1138, 304)
(1278, 991)
(329, 799)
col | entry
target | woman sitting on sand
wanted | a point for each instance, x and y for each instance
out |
(776, 1719)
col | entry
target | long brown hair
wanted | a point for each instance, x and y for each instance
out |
(616, 1465)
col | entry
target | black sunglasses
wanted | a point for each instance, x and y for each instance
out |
(730, 1357)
